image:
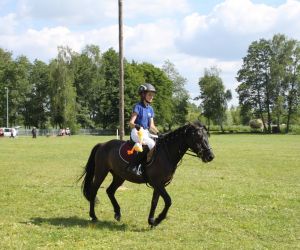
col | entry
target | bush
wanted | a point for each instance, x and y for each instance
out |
(256, 124)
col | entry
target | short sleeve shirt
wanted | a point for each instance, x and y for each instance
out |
(144, 114)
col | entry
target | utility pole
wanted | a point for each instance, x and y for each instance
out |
(6, 106)
(121, 83)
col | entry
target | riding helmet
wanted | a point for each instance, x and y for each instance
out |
(146, 87)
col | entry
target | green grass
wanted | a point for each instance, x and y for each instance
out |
(247, 198)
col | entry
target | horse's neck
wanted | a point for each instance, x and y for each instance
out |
(176, 148)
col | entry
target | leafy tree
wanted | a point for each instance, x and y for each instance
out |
(62, 91)
(214, 97)
(6, 75)
(88, 81)
(255, 90)
(269, 79)
(19, 90)
(180, 95)
(235, 113)
(38, 100)
(109, 102)
(292, 83)
(194, 112)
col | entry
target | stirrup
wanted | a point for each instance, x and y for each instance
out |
(137, 170)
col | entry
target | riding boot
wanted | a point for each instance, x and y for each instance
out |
(134, 165)
(149, 155)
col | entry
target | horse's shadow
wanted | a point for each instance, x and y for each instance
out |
(75, 221)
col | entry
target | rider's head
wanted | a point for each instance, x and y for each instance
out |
(147, 92)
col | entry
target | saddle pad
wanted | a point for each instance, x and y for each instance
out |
(123, 151)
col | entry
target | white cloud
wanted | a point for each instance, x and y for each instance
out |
(229, 29)
(42, 44)
(151, 41)
(153, 30)
(8, 24)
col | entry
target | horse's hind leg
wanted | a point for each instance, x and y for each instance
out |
(95, 185)
(117, 182)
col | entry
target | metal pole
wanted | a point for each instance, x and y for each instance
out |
(6, 107)
(121, 83)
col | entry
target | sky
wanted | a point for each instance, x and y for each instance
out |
(193, 34)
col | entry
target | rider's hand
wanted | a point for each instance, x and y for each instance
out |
(137, 126)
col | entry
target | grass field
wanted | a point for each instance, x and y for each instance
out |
(247, 198)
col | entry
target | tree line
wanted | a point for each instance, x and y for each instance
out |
(80, 90)
(269, 80)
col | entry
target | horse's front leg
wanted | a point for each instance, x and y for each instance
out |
(168, 202)
(154, 202)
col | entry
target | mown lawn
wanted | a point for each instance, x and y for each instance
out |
(247, 198)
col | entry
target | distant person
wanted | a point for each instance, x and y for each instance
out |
(33, 131)
(13, 133)
(68, 131)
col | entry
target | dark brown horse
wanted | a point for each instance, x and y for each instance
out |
(170, 149)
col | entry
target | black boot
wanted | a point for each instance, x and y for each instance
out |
(135, 166)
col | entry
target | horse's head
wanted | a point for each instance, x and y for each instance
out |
(197, 140)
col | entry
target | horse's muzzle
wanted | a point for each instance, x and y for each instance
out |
(208, 156)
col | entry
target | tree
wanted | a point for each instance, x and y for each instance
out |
(62, 91)
(213, 96)
(180, 95)
(256, 90)
(292, 83)
(6, 75)
(89, 82)
(38, 100)
(109, 102)
(269, 77)
(20, 88)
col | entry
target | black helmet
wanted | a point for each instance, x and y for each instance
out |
(146, 87)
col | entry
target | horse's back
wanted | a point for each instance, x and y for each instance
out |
(108, 153)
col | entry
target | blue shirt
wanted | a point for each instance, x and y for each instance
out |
(144, 114)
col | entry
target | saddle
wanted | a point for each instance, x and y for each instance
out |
(127, 146)
(123, 151)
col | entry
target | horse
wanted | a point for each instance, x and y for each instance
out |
(169, 150)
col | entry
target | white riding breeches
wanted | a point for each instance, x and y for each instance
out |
(147, 140)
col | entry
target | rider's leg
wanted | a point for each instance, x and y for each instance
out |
(150, 143)
(135, 162)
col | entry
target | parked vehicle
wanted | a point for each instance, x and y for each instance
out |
(8, 132)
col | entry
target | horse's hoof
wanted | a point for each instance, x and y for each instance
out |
(152, 222)
(94, 219)
(118, 217)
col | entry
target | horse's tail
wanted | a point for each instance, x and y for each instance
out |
(88, 174)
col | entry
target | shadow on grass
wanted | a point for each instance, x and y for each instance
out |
(75, 221)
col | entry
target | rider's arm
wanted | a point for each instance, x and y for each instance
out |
(153, 128)
(132, 120)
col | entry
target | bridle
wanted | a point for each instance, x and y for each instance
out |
(202, 149)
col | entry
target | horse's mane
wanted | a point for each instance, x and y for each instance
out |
(181, 130)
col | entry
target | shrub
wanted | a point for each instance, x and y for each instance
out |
(256, 124)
